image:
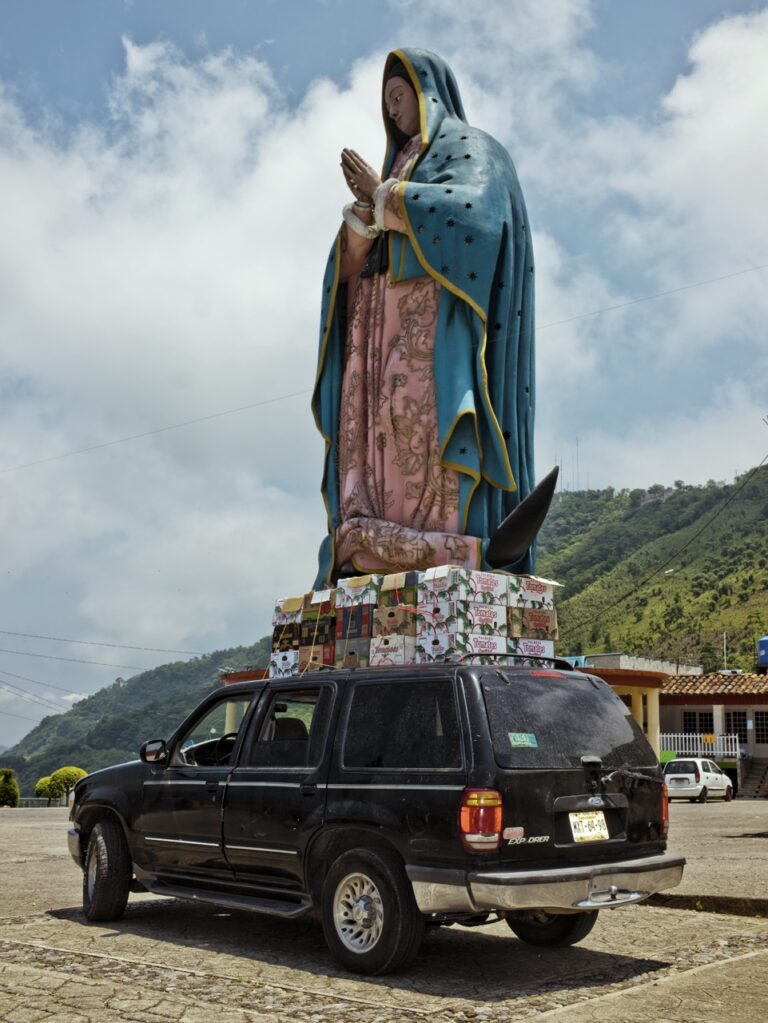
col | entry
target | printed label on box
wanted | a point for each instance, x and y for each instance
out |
(532, 623)
(401, 588)
(449, 582)
(281, 665)
(287, 611)
(530, 591)
(393, 650)
(286, 637)
(453, 646)
(462, 616)
(394, 621)
(363, 589)
(322, 630)
(532, 647)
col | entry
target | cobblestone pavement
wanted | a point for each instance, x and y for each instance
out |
(172, 962)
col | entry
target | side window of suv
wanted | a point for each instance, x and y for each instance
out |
(403, 725)
(292, 732)
(209, 742)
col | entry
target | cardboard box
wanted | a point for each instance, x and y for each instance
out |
(450, 582)
(530, 591)
(354, 622)
(363, 589)
(313, 657)
(282, 665)
(318, 604)
(353, 654)
(322, 630)
(531, 648)
(287, 611)
(394, 621)
(531, 623)
(286, 637)
(393, 650)
(462, 616)
(458, 646)
(401, 588)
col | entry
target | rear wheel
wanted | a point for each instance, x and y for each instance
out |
(702, 797)
(370, 919)
(107, 874)
(552, 930)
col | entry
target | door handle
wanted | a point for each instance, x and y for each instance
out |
(308, 790)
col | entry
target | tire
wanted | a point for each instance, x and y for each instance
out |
(702, 796)
(107, 873)
(552, 930)
(728, 794)
(387, 929)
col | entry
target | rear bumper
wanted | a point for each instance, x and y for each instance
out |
(692, 791)
(597, 886)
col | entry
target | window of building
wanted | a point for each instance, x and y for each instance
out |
(696, 722)
(736, 724)
(761, 726)
(407, 725)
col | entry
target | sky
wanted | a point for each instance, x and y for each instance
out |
(170, 190)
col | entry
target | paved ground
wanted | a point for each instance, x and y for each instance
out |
(167, 962)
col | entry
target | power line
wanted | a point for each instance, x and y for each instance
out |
(151, 433)
(9, 714)
(37, 682)
(297, 394)
(74, 660)
(16, 691)
(635, 589)
(649, 298)
(89, 642)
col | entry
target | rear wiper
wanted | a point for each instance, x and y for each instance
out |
(622, 772)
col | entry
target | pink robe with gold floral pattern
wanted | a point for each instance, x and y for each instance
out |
(399, 505)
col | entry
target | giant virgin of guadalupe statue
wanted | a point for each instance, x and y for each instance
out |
(425, 382)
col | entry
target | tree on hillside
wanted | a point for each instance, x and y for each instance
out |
(9, 787)
(67, 778)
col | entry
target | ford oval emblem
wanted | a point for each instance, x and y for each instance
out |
(596, 801)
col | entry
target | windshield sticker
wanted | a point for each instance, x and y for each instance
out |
(522, 740)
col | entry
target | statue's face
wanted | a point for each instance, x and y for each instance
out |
(402, 105)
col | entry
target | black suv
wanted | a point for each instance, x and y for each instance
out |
(386, 800)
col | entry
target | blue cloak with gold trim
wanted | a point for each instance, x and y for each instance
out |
(468, 229)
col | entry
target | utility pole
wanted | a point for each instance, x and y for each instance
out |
(725, 652)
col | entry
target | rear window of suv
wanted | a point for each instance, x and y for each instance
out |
(545, 721)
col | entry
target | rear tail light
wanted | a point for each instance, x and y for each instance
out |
(696, 775)
(664, 811)
(480, 819)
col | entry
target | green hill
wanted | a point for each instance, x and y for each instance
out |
(108, 727)
(623, 591)
(626, 591)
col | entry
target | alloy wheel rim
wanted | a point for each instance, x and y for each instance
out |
(358, 913)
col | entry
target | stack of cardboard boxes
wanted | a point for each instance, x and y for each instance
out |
(441, 614)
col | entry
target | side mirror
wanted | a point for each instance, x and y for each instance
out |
(153, 751)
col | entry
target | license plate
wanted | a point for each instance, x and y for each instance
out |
(589, 826)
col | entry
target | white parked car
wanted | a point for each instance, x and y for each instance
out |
(696, 779)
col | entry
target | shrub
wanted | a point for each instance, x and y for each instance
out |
(9, 787)
(66, 778)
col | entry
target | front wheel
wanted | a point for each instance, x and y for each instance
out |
(107, 874)
(729, 794)
(702, 798)
(370, 919)
(552, 930)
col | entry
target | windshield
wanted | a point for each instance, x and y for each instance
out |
(541, 721)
